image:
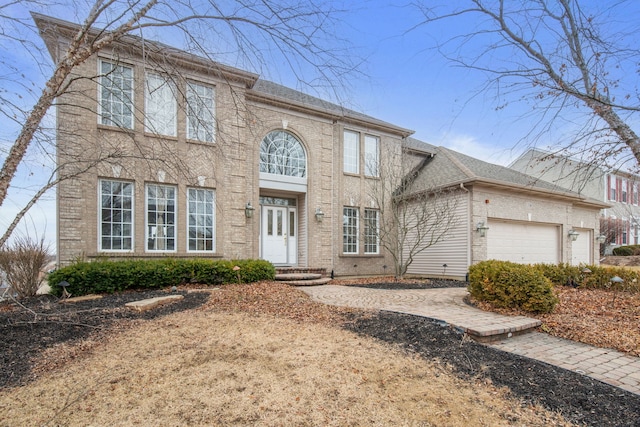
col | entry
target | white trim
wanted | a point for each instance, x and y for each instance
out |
(99, 215)
(146, 219)
(214, 234)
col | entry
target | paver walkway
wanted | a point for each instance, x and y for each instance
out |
(447, 304)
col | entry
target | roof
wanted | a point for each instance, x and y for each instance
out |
(416, 145)
(449, 168)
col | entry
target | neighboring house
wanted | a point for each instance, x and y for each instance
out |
(504, 214)
(620, 220)
(173, 155)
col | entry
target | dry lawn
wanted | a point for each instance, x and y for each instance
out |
(231, 363)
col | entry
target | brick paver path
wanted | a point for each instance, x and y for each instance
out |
(447, 304)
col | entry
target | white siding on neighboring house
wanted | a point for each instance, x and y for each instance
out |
(523, 242)
(582, 248)
(452, 250)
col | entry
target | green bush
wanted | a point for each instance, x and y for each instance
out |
(623, 251)
(104, 276)
(561, 274)
(509, 285)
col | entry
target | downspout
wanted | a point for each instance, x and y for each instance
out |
(468, 213)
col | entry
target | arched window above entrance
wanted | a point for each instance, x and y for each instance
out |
(281, 153)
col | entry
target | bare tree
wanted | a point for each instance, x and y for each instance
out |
(249, 32)
(562, 57)
(410, 221)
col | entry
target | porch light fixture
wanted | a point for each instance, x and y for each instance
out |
(482, 229)
(319, 215)
(601, 238)
(573, 235)
(248, 210)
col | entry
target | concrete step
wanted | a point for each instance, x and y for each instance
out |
(149, 303)
(314, 282)
(298, 276)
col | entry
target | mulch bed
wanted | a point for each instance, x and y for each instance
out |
(26, 337)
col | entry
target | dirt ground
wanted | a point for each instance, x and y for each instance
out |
(263, 354)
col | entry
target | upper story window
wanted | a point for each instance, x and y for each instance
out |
(282, 154)
(624, 191)
(161, 217)
(612, 187)
(200, 112)
(116, 216)
(371, 156)
(351, 157)
(160, 105)
(115, 106)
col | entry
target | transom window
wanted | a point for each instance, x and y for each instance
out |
(282, 154)
(161, 217)
(116, 215)
(115, 107)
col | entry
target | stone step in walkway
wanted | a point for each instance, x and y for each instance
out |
(149, 303)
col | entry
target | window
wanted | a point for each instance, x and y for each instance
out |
(282, 154)
(161, 216)
(351, 152)
(612, 187)
(116, 216)
(115, 106)
(371, 230)
(624, 191)
(160, 106)
(634, 188)
(371, 155)
(201, 222)
(350, 230)
(200, 112)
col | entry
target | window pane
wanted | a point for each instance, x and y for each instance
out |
(371, 231)
(371, 155)
(160, 218)
(200, 220)
(160, 106)
(116, 213)
(116, 95)
(282, 154)
(350, 230)
(351, 152)
(200, 113)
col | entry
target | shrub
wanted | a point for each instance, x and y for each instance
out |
(22, 263)
(509, 285)
(105, 276)
(623, 251)
(561, 274)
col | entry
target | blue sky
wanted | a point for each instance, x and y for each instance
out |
(403, 81)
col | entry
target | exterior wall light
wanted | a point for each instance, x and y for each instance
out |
(573, 235)
(482, 229)
(248, 210)
(319, 215)
(601, 238)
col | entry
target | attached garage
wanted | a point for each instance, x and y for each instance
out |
(523, 242)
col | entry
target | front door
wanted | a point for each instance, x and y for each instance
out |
(279, 234)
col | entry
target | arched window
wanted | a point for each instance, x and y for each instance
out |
(282, 154)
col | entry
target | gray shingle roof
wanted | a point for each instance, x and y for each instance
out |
(449, 168)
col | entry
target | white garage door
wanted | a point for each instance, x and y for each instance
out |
(524, 243)
(581, 248)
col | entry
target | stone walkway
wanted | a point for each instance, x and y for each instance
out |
(447, 304)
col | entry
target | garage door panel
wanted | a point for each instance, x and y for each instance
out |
(525, 243)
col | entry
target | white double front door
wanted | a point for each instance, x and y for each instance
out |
(279, 234)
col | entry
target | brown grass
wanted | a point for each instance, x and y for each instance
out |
(235, 363)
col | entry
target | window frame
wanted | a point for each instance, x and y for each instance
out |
(371, 166)
(368, 235)
(212, 215)
(173, 225)
(126, 100)
(351, 161)
(271, 161)
(195, 122)
(160, 115)
(101, 222)
(353, 229)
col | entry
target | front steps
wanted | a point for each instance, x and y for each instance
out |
(300, 276)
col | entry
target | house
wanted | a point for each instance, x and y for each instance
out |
(619, 222)
(168, 154)
(503, 214)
